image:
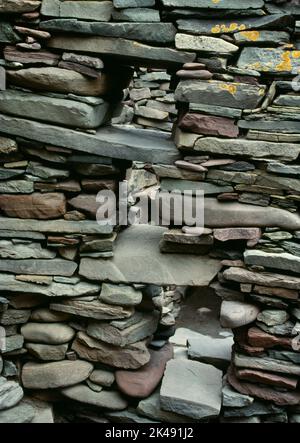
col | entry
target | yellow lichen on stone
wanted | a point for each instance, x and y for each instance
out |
(222, 28)
(231, 88)
(252, 36)
(286, 64)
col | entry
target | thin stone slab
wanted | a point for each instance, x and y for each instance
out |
(105, 399)
(19, 6)
(283, 261)
(8, 283)
(92, 309)
(208, 4)
(55, 227)
(266, 364)
(214, 351)
(39, 267)
(87, 10)
(136, 261)
(270, 60)
(146, 32)
(127, 144)
(124, 49)
(192, 389)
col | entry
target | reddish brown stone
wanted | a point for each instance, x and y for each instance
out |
(194, 66)
(194, 74)
(87, 203)
(209, 125)
(257, 337)
(228, 196)
(276, 292)
(63, 241)
(12, 54)
(226, 234)
(240, 338)
(84, 70)
(217, 162)
(264, 393)
(66, 186)
(38, 206)
(91, 185)
(142, 383)
(267, 378)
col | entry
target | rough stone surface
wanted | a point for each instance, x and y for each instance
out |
(47, 333)
(235, 314)
(192, 389)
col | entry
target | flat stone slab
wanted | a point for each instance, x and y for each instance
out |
(138, 259)
(114, 142)
(192, 389)
(146, 32)
(283, 261)
(208, 4)
(39, 267)
(92, 10)
(214, 351)
(128, 50)
(61, 111)
(269, 60)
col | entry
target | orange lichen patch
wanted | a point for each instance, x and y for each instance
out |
(216, 1)
(222, 28)
(296, 54)
(286, 64)
(231, 88)
(252, 36)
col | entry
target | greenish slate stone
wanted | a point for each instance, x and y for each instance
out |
(39, 267)
(127, 144)
(248, 148)
(120, 295)
(13, 343)
(7, 34)
(257, 408)
(278, 235)
(22, 413)
(272, 125)
(269, 60)
(292, 357)
(186, 185)
(121, 4)
(10, 394)
(229, 26)
(60, 111)
(233, 399)
(283, 261)
(6, 174)
(272, 317)
(267, 37)
(136, 15)
(282, 169)
(156, 56)
(145, 32)
(208, 4)
(285, 330)
(17, 187)
(231, 95)
(92, 10)
(12, 250)
(215, 110)
(287, 100)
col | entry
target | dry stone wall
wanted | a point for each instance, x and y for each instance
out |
(88, 311)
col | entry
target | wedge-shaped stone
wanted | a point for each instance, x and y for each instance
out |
(39, 267)
(283, 261)
(119, 295)
(273, 280)
(192, 389)
(87, 10)
(146, 32)
(134, 333)
(59, 80)
(204, 44)
(270, 60)
(127, 144)
(132, 51)
(54, 110)
(18, 6)
(55, 375)
(136, 257)
(92, 309)
(230, 95)
(132, 357)
(248, 148)
(105, 399)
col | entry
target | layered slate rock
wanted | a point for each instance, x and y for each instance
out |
(207, 4)
(191, 388)
(132, 357)
(40, 267)
(136, 255)
(231, 95)
(283, 261)
(19, 6)
(10, 393)
(128, 144)
(145, 32)
(135, 52)
(39, 206)
(270, 60)
(96, 10)
(56, 374)
(63, 112)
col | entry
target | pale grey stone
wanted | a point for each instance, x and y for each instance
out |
(22, 413)
(120, 295)
(214, 351)
(10, 393)
(192, 389)
(270, 60)
(233, 399)
(93, 10)
(235, 314)
(137, 15)
(102, 377)
(273, 317)
(105, 399)
(115, 142)
(38, 267)
(266, 364)
(11, 250)
(283, 261)
(204, 44)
